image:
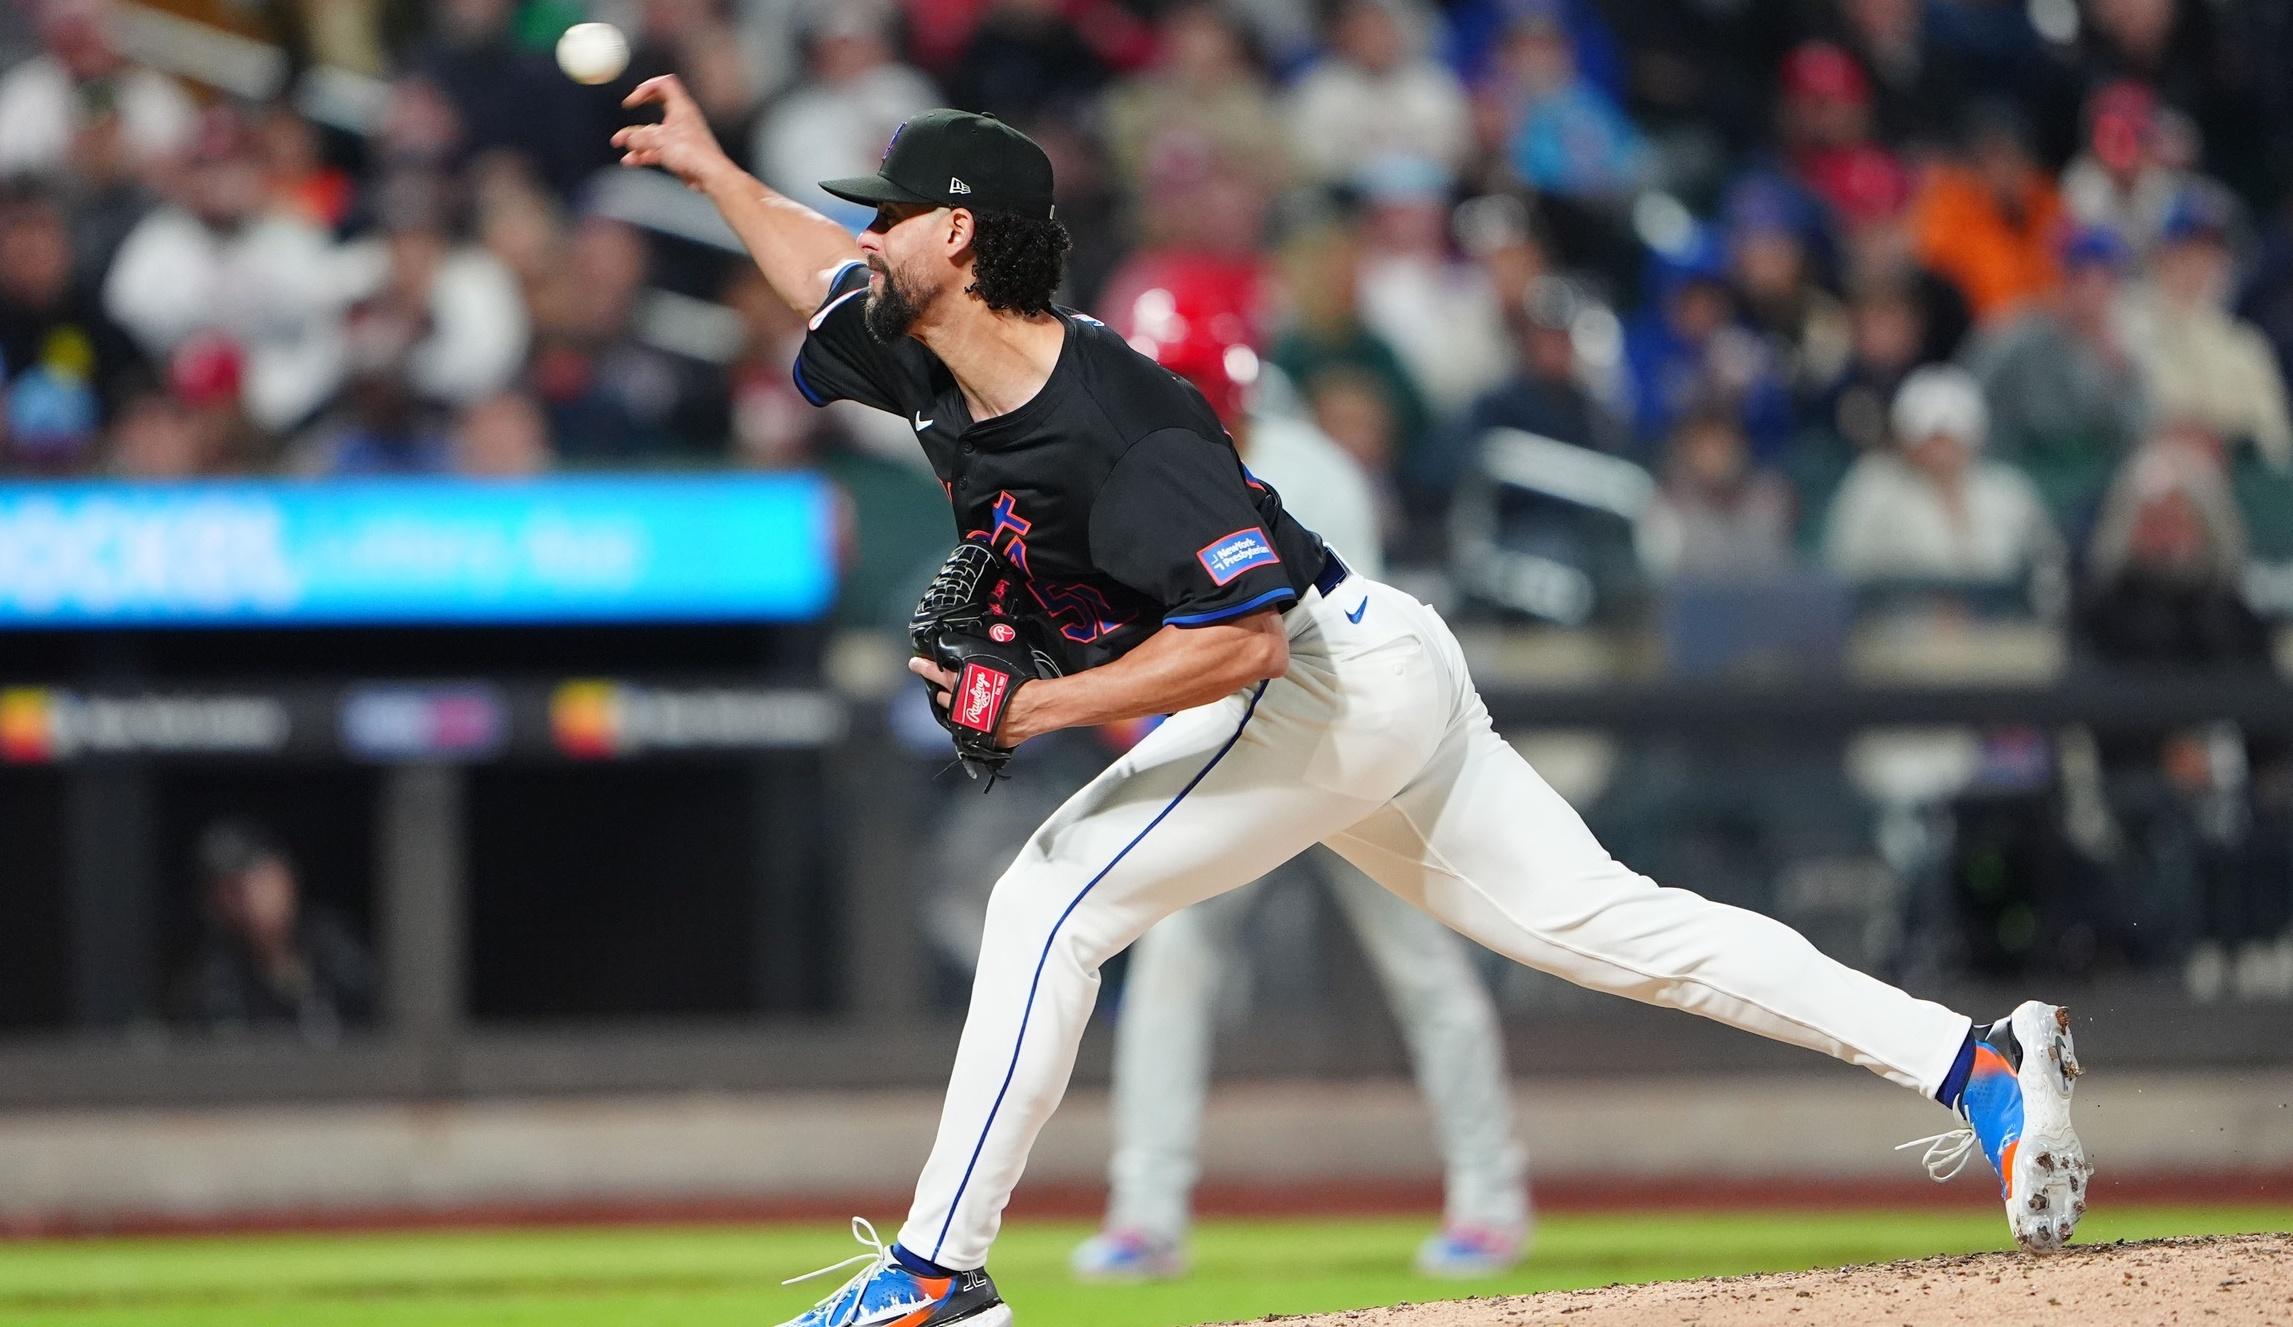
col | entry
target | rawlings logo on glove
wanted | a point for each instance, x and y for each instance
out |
(979, 698)
(964, 624)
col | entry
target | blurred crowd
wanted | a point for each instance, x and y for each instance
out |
(1924, 289)
(1957, 291)
(1990, 295)
(1713, 239)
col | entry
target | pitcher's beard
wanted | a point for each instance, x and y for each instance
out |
(891, 309)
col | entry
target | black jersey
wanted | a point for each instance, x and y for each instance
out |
(1114, 490)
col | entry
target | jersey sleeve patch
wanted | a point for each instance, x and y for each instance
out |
(1228, 556)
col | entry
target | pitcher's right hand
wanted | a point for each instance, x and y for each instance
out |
(681, 143)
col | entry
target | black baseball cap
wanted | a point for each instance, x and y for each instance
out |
(950, 158)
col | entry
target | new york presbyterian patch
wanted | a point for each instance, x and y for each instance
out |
(1229, 556)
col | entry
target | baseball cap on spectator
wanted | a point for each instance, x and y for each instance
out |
(1699, 259)
(1865, 183)
(2198, 215)
(1186, 327)
(2095, 246)
(1762, 204)
(1940, 399)
(1820, 71)
(231, 848)
(950, 158)
(2122, 121)
(1397, 177)
(206, 370)
(78, 35)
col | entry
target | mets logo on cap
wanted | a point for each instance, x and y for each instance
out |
(1228, 556)
(894, 141)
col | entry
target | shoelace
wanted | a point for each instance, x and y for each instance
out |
(1946, 1153)
(865, 1232)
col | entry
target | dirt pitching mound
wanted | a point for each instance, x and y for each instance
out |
(2241, 1279)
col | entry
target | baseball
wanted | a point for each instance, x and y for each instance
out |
(593, 52)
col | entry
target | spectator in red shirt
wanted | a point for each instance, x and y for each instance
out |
(1826, 123)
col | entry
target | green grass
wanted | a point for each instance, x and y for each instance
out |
(674, 1277)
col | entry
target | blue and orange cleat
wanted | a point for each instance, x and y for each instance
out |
(2017, 1106)
(887, 1293)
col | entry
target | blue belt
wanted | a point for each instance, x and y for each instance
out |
(1333, 575)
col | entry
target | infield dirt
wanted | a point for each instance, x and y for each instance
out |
(2230, 1279)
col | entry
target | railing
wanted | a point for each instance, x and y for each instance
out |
(833, 766)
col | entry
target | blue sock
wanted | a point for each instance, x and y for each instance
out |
(1955, 1082)
(924, 1267)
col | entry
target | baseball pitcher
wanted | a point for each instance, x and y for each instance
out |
(1134, 567)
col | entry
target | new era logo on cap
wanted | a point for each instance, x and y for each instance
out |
(956, 186)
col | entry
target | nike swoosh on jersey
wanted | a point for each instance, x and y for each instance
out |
(1355, 616)
(830, 307)
(923, 423)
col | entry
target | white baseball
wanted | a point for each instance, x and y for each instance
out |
(593, 52)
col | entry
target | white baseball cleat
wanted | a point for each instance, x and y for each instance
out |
(2017, 1106)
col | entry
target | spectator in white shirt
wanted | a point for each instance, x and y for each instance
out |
(1932, 509)
(1438, 310)
(80, 81)
(2135, 164)
(1377, 94)
(1202, 97)
(1716, 515)
(2203, 362)
(467, 316)
(218, 261)
(835, 121)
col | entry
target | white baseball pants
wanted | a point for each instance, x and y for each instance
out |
(1374, 742)
(1163, 1040)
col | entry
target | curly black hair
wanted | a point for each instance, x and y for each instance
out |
(1017, 262)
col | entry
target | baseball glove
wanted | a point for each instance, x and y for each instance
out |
(965, 623)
